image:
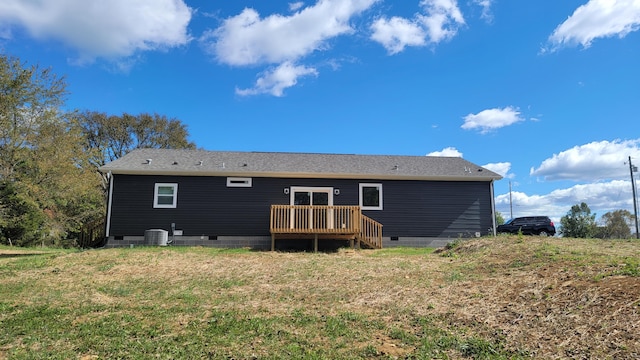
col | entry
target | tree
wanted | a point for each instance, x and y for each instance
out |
(49, 183)
(110, 137)
(617, 224)
(65, 181)
(499, 218)
(578, 223)
(29, 98)
(114, 136)
(47, 186)
(22, 221)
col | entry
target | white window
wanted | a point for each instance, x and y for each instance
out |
(238, 182)
(165, 196)
(371, 196)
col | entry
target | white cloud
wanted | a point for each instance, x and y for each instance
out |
(438, 22)
(599, 165)
(446, 152)
(442, 19)
(274, 81)
(486, 9)
(601, 198)
(248, 39)
(601, 160)
(492, 119)
(109, 29)
(500, 168)
(523, 205)
(397, 33)
(605, 195)
(295, 6)
(597, 19)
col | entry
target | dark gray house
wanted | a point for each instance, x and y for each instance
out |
(255, 199)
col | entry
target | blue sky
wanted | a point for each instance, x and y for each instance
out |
(544, 92)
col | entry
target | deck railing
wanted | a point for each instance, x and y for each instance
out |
(314, 219)
(371, 232)
(326, 220)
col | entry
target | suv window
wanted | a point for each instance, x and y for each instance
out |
(520, 221)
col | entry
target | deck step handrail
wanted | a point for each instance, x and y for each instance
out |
(370, 232)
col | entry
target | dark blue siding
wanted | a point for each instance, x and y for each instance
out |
(434, 209)
(206, 206)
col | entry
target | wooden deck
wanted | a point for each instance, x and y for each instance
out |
(324, 222)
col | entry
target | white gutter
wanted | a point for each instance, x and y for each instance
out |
(109, 201)
(493, 209)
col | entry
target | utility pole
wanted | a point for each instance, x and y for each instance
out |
(633, 169)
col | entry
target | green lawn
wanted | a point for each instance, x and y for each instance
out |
(490, 298)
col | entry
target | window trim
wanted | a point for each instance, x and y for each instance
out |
(173, 205)
(239, 182)
(311, 189)
(380, 197)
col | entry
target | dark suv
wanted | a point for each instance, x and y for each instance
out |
(530, 225)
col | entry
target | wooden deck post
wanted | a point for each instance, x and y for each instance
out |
(315, 243)
(273, 242)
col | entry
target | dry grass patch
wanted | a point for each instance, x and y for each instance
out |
(555, 297)
(504, 297)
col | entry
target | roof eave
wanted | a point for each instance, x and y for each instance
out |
(299, 175)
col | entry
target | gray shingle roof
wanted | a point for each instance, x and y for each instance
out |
(304, 165)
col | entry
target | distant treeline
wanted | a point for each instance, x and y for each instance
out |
(50, 186)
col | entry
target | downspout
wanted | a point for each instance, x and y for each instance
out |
(107, 229)
(493, 209)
